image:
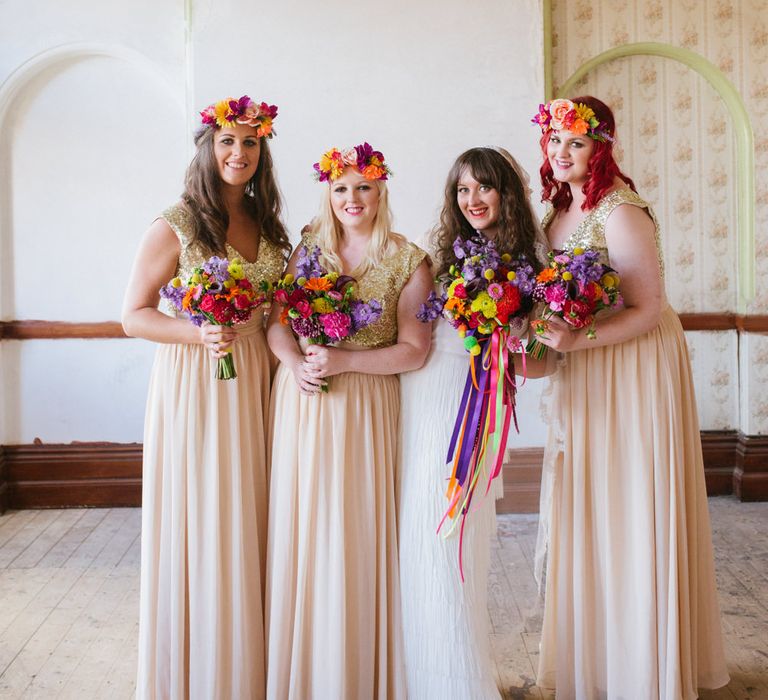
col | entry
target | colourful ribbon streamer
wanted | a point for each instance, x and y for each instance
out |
(481, 429)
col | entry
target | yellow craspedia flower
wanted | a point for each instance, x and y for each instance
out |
(578, 251)
(506, 257)
(609, 281)
(196, 278)
(511, 275)
(301, 281)
(288, 278)
(489, 274)
(567, 276)
(322, 305)
(176, 282)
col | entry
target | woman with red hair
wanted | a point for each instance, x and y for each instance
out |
(631, 605)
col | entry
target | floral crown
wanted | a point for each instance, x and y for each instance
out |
(227, 113)
(568, 116)
(370, 163)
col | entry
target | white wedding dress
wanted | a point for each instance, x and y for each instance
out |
(445, 621)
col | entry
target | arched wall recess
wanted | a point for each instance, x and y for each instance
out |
(12, 89)
(745, 154)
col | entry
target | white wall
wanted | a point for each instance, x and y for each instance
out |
(97, 105)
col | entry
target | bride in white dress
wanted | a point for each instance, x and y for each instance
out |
(445, 621)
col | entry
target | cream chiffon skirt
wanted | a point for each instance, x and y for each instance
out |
(333, 602)
(204, 518)
(445, 622)
(631, 608)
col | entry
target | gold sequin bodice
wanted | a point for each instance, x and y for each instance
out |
(384, 282)
(268, 265)
(590, 233)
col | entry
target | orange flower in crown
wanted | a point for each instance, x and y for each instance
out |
(228, 112)
(564, 115)
(369, 162)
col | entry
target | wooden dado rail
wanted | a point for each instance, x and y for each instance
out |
(51, 330)
(109, 474)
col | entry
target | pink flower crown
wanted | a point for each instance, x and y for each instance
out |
(564, 115)
(370, 163)
(227, 113)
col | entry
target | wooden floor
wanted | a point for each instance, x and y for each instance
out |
(69, 588)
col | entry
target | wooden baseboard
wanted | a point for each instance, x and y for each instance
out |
(74, 475)
(109, 474)
(733, 463)
(750, 476)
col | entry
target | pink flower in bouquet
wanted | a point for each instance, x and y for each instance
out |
(336, 296)
(207, 303)
(577, 314)
(460, 291)
(555, 297)
(336, 325)
(304, 308)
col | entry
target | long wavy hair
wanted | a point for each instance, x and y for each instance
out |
(602, 169)
(328, 233)
(517, 225)
(204, 201)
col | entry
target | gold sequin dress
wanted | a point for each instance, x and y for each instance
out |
(333, 603)
(204, 509)
(631, 606)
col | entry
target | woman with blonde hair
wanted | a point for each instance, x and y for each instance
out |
(333, 601)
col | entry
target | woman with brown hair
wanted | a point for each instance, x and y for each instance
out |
(445, 619)
(204, 506)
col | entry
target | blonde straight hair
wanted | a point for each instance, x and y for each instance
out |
(328, 234)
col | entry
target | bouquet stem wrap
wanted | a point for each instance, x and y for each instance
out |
(486, 410)
(225, 368)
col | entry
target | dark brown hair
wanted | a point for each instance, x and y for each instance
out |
(517, 227)
(203, 199)
(602, 169)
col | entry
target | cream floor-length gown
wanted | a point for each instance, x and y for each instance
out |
(445, 622)
(631, 609)
(333, 598)
(204, 510)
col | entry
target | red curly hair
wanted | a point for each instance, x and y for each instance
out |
(602, 168)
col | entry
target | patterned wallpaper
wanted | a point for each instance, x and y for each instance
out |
(676, 142)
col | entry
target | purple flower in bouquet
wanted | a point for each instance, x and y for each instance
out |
(308, 264)
(364, 313)
(306, 327)
(218, 268)
(336, 325)
(432, 308)
(174, 295)
(586, 267)
(525, 278)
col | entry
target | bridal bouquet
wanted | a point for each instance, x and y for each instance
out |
(574, 286)
(487, 299)
(218, 292)
(320, 306)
